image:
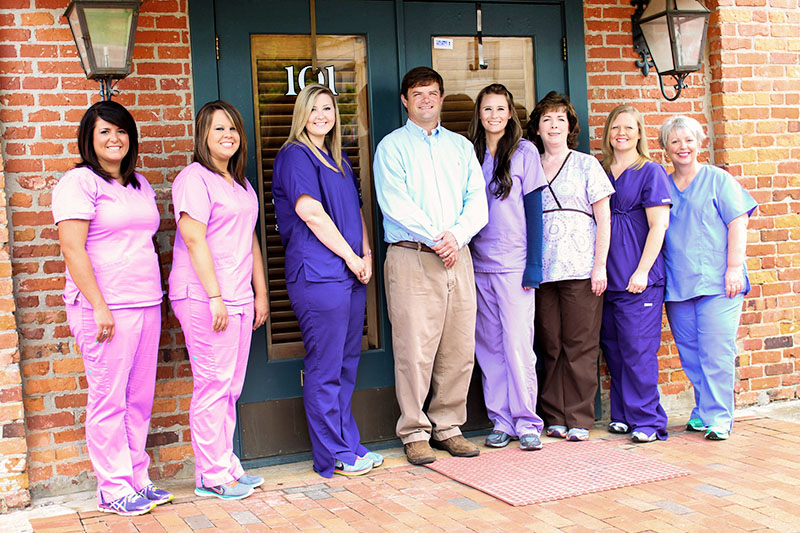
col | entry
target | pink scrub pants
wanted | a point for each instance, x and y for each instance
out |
(219, 364)
(121, 377)
(504, 349)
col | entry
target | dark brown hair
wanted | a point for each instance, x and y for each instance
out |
(202, 155)
(117, 115)
(421, 76)
(553, 101)
(501, 182)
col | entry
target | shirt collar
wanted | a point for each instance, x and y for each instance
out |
(417, 130)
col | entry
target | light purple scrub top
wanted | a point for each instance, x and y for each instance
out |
(502, 246)
(122, 222)
(635, 190)
(230, 213)
(696, 245)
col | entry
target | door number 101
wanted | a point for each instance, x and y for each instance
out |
(326, 72)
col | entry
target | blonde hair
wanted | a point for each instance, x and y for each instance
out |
(298, 135)
(641, 146)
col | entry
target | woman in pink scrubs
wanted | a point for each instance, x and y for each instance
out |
(218, 292)
(107, 216)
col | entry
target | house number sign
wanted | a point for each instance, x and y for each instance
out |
(325, 74)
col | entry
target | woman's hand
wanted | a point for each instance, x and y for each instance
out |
(219, 314)
(734, 281)
(638, 282)
(261, 311)
(356, 265)
(367, 269)
(599, 280)
(105, 323)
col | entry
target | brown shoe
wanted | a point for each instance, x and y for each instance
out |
(458, 446)
(419, 452)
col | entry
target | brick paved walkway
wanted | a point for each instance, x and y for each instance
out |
(749, 483)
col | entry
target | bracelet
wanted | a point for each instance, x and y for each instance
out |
(368, 253)
(217, 296)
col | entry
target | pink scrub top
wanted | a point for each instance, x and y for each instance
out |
(122, 222)
(230, 213)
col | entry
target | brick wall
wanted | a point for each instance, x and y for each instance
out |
(43, 93)
(747, 97)
(751, 108)
(13, 449)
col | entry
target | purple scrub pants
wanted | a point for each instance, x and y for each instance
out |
(121, 377)
(331, 317)
(704, 328)
(630, 337)
(219, 364)
(504, 349)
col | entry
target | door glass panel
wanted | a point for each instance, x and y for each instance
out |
(510, 62)
(281, 66)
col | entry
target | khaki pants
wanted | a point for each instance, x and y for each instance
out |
(432, 311)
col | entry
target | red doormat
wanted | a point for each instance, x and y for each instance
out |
(559, 470)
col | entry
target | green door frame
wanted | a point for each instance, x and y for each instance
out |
(384, 86)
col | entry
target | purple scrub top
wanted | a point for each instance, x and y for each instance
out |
(230, 213)
(297, 171)
(122, 222)
(502, 245)
(635, 190)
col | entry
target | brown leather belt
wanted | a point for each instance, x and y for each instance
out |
(418, 246)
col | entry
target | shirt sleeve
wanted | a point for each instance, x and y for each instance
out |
(598, 185)
(533, 174)
(190, 194)
(655, 191)
(299, 175)
(475, 212)
(75, 196)
(732, 199)
(392, 194)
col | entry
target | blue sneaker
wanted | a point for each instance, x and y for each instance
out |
(530, 441)
(376, 458)
(130, 505)
(155, 495)
(359, 468)
(695, 424)
(251, 479)
(226, 491)
(497, 439)
(717, 433)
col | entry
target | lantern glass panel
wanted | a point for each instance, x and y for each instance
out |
(689, 39)
(80, 42)
(110, 30)
(656, 34)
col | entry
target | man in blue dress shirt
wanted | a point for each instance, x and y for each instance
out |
(431, 191)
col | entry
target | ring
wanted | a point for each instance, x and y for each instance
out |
(105, 332)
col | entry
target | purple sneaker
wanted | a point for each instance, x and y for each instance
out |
(131, 505)
(155, 495)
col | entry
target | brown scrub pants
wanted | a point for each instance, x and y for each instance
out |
(567, 333)
(432, 311)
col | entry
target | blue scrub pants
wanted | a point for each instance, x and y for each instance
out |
(630, 337)
(331, 316)
(704, 328)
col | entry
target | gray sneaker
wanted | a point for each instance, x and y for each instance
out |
(530, 441)
(226, 491)
(251, 479)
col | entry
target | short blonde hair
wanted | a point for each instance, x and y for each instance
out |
(641, 146)
(680, 122)
(297, 134)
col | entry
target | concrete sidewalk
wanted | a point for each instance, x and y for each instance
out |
(749, 483)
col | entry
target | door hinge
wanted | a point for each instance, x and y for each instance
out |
(563, 49)
(216, 45)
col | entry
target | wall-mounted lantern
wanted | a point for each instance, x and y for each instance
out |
(104, 33)
(673, 34)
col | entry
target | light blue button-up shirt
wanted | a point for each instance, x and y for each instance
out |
(427, 184)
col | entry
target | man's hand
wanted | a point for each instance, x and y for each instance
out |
(446, 248)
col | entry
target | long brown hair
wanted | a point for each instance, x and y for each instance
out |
(202, 155)
(500, 184)
(641, 146)
(298, 134)
(115, 114)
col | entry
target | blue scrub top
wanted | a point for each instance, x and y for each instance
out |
(635, 190)
(297, 171)
(696, 245)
